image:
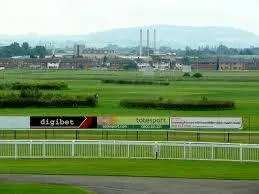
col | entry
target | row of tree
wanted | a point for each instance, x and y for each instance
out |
(200, 51)
(220, 50)
(15, 49)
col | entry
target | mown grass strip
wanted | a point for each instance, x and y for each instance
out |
(139, 168)
(137, 82)
(179, 105)
(32, 188)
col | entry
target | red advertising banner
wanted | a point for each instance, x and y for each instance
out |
(63, 122)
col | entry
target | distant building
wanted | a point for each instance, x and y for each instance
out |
(143, 65)
(53, 65)
(162, 66)
(21, 57)
(183, 68)
(186, 68)
(148, 71)
(78, 49)
(35, 66)
(97, 53)
(232, 67)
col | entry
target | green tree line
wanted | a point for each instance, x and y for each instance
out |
(15, 49)
(220, 50)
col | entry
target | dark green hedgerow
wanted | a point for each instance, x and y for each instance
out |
(33, 86)
(138, 82)
(35, 98)
(179, 105)
(197, 75)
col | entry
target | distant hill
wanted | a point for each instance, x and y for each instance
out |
(179, 37)
(173, 36)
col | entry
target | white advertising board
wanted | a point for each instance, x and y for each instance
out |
(206, 123)
(10, 122)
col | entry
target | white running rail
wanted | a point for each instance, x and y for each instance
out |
(26, 149)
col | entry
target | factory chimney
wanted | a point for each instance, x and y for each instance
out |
(77, 51)
(148, 42)
(140, 43)
(154, 41)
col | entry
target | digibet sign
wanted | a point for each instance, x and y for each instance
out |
(63, 122)
(147, 123)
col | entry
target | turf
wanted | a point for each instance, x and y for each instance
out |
(242, 87)
(27, 188)
(146, 168)
(220, 136)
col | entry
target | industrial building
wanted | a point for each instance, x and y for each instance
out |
(98, 53)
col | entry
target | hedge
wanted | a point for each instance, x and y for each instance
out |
(186, 75)
(46, 100)
(197, 75)
(32, 86)
(178, 105)
(144, 82)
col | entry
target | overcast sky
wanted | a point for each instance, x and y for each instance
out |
(85, 16)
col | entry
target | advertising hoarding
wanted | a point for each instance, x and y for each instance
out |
(206, 123)
(132, 122)
(63, 122)
(14, 122)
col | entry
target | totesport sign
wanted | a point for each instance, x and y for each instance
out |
(148, 123)
(206, 123)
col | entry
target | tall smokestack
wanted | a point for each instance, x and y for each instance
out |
(77, 51)
(154, 41)
(148, 42)
(140, 43)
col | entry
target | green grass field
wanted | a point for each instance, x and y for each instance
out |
(27, 188)
(234, 137)
(240, 87)
(146, 168)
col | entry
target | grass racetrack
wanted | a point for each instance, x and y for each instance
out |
(242, 87)
(27, 188)
(209, 136)
(139, 168)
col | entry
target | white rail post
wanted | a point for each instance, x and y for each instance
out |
(114, 149)
(241, 152)
(212, 152)
(184, 151)
(156, 150)
(73, 148)
(31, 149)
(43, 149)
(190, 151)
(128, 150)
(15, 150)
(100, 149)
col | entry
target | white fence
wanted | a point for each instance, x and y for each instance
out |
(129, 149)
